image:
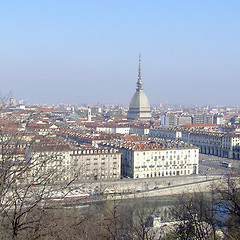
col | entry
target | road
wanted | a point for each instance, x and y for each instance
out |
(212, 165)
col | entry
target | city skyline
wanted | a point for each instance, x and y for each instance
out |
(77, 52)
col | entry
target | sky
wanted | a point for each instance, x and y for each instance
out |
(79, 51)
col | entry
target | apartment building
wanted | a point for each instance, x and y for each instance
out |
(157, 158)
(96, 164)
(209, 139)
(64, 164)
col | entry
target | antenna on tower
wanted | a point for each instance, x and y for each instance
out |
(139, 82)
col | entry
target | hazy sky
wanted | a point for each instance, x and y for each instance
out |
(74, 51)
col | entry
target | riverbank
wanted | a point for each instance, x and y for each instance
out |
(190, 187)
(129, 189)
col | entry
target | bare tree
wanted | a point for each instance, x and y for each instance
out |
(139, 226)
(128, 221)
(228, 206)
(196, 217)
(27, 183)
(24, 192)
(213, 215)
(113, 222)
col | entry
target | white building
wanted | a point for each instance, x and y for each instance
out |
(159, 163)
(63, 164)
(222, 144)
(172, 133)
(96, 164)
(157, 159)
(139, 130)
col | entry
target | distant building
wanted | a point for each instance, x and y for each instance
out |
(235, 120)
(203, 119)
(172, 120)
(184, 120)
(96, 110)
(177, 120)
(219, 120)
(139, 108)
(89, 115)
(164, 120)
(206, 138)
(13, 102)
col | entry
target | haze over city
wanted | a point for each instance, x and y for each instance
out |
(87, 51)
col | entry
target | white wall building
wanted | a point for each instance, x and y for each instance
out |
(96, 164)
(157, 159)
(63, 164)
(159, 163)
(222, 144)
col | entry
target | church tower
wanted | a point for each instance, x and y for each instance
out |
(139, 108)
(89, 114)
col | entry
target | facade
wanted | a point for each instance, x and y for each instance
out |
(139, 108)
(62, 164)
(96, 164)
(184, 120)
(89, 115)
(49, 163)
(168, 133)
(177, 120)
(203, 119)
(159, 162)
(219, 120)
(120, 129)
(113, 128)
(221, 144)
(151, 158)
(172, 120)
(139, 130)
(164, 120)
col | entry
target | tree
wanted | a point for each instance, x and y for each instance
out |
(196, 217)
(228, 206)
(214, 215)
(27, 178)
(128, 221)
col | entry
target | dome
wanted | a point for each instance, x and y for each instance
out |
(139, 100)
(139, 108)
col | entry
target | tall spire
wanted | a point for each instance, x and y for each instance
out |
(139, 82)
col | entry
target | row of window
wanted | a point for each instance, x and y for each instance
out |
(162, 166)
(165, 173)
